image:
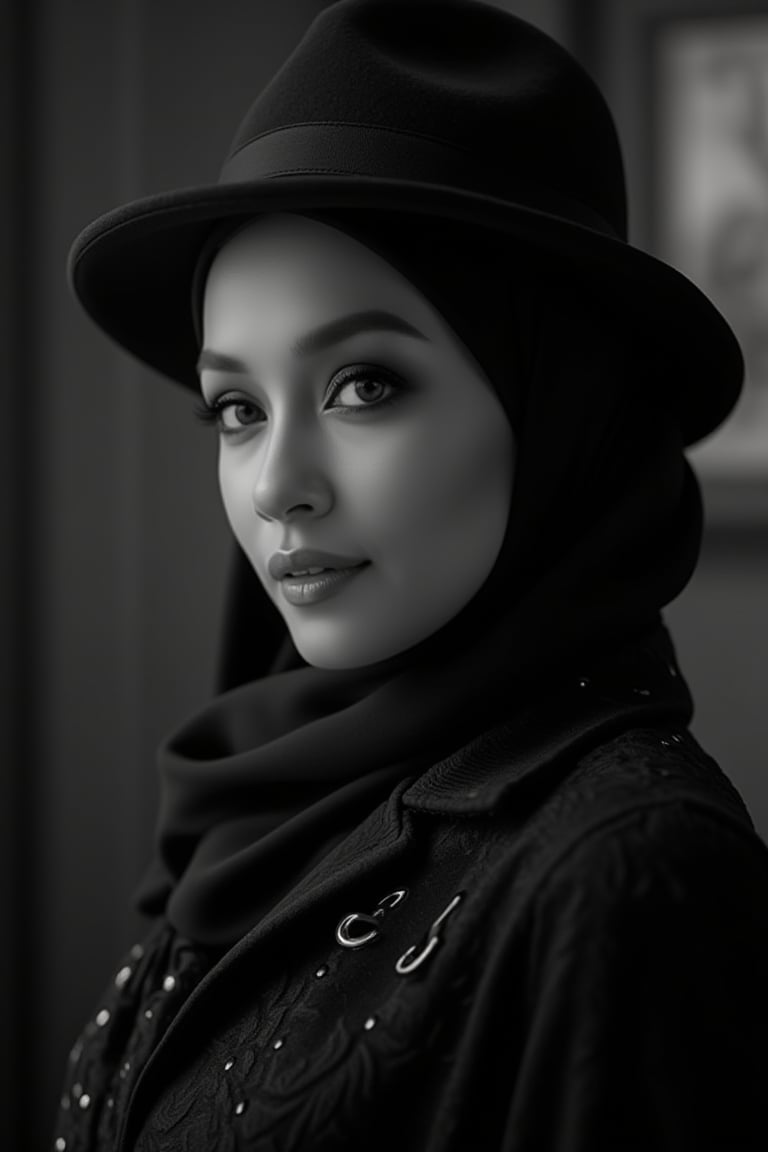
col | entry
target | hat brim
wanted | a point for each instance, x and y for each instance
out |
(132, 268)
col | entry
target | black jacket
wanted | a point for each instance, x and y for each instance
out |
(564, 948)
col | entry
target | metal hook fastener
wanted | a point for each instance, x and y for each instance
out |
(393, 899)
(404, 965)
(342, 932)
(408, 962)
(390, 901)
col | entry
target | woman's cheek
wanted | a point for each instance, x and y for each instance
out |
(236, 494)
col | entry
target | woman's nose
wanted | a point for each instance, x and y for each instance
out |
(290, 479)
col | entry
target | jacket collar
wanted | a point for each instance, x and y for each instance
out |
(640, 687)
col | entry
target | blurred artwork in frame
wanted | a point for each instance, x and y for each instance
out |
(711, 202)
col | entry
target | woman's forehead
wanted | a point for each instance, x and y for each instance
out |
(283, 267)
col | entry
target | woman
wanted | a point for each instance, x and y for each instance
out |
(442, 867)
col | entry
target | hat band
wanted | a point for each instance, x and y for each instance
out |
(340, 149)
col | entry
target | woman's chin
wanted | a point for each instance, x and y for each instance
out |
(336, 650)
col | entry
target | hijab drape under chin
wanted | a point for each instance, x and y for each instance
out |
(604, 529)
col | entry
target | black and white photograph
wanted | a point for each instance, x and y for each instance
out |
(385, 505)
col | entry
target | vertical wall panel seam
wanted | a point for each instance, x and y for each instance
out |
(129, 772)
(25, 639)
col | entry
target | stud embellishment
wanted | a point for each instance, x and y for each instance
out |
(123, 976)
(584, 682)
(350, 939)
(411, 959)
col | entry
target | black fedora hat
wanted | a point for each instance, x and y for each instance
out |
(446, 108)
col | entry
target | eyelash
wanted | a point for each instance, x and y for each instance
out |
(212, 413)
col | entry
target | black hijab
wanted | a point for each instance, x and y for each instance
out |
(604, 529)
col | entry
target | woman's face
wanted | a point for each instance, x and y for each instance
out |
(377, 440)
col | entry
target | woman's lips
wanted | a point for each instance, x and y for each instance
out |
(302, 590)
(282, 564)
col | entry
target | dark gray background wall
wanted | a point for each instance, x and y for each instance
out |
(117, 546)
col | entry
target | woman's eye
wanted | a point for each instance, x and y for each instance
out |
(236, 414)
(358, 389)
(229, 414)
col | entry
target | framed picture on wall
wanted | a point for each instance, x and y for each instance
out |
(688, 83)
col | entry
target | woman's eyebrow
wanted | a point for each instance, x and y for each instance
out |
(320, 338)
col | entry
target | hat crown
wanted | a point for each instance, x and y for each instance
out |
(464, 75)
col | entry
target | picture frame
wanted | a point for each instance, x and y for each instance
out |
(687, 81)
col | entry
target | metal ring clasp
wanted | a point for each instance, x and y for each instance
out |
(408, 962)
(342, 932)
